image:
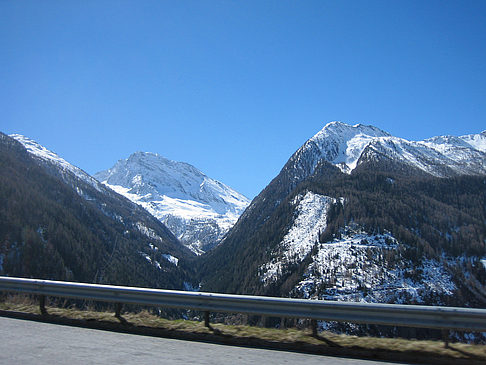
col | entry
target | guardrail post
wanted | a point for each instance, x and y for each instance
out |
(42, 305)
(314, 327)
(118, 309)
(445, 337)
(206, 319)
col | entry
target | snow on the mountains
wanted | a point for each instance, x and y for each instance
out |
(483, 261)
(477, 141)
(364, 267)
(466, 154)
(172, 259)
(357, 266)
(48, 156)
(197, 209)
(343, 145)
(148, 232)
(311, 219)
(190, 287)
(414, 154)
(188, 209)
(153, 262)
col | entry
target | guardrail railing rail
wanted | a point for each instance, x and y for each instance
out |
(418, 316)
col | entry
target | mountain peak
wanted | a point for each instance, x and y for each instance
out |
(341, 144)
(339, 127)
(154, 176)
(178, 194)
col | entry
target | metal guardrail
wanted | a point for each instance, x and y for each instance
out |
(446, 318)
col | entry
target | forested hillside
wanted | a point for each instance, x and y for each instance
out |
(422, 219)
(55, 226)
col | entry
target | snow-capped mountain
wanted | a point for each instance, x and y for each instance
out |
(196, 208)
(347, 146)
(338, 143)
(357, 214)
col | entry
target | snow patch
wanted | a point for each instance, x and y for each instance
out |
(483, 261)
(146, 257)
(189, 287)
(148, 232)
(173, 260)
(310, 220)
(151, 261)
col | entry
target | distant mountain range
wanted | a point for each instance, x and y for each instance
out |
(197, 209)
(355, 214)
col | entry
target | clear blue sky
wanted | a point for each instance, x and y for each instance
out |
(235, 87)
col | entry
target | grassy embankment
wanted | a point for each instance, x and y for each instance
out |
(145, 323)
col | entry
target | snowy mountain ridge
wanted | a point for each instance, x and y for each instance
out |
(196, 208)
(344, 146)
(48, 156)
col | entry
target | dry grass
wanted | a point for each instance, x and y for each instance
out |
(286, 339)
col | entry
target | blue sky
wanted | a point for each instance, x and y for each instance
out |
(235, 87)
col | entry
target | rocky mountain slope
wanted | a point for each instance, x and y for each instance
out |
(197, 209)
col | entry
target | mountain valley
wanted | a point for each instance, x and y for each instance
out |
(355, 214)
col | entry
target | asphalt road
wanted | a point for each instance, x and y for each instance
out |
(28, 342)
